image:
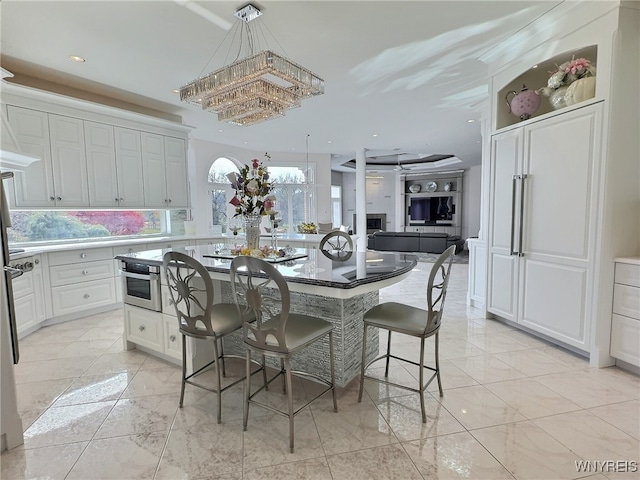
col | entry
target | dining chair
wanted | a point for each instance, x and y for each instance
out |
(260, 290)
(191, 291)
(336, 241)
(413, 321)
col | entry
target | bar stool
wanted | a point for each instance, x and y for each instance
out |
(191, 291)
(336, 241)
(417, 322)
(260, 289)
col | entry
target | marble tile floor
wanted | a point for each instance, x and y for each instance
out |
(513, 407)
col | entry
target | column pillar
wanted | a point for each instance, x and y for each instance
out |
(361, 199)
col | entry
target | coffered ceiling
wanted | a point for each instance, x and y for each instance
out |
(402, 79)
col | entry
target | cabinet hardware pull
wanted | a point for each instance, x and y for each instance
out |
(169, 200)
(121, 199)
(86, 295)
(116, 200)
(522, 179)
(141, 328)
(83, 255)
(172, 338)
(36, 261)
(51, 199)
(85, 272)
(514, 183)
(58, 198)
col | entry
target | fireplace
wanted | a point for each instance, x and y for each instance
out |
(375, 222)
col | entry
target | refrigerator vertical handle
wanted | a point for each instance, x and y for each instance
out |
(522, 183)
(514, 183)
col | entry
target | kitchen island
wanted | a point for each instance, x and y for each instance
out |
(337, 290)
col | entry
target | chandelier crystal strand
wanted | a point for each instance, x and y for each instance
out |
(242, 92)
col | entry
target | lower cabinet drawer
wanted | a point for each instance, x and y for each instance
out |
(625, 339)
(143, 327)
(626, 300)
(82, 296)
(80, 272)
(172, 337)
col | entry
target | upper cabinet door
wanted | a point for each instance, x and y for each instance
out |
(34, 186)
(101, 165)
(176, 165)
(69, 161)
(129, 163)
(153, 164)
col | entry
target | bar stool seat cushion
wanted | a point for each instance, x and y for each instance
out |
(399, 318)
(299, 330)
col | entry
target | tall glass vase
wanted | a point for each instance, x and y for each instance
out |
(252, 230)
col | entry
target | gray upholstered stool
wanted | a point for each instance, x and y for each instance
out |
(417, 322)
(191, 292)
(260, 290)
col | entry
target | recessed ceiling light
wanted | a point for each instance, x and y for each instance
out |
(375, 134)
(535, 66)
(471, 120)
(76, 58)
(246, 143)
(175, 90)
(220, 130)
(328, 141)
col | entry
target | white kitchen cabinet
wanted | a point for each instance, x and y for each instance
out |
(81, 280)
(175, 151)
(68, 158)
(101, 165)
(60, 178)
(129, 166)
(92, 157)
(28, 298)
(625, 321)
(32, 187)
(541, 233)
(153, 165)
(165, 171)
(143, 327)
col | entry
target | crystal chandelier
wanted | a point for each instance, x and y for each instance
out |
(259, 87)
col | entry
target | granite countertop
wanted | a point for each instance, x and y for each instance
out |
(314, 269)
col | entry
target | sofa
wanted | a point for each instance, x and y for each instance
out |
(413, 242)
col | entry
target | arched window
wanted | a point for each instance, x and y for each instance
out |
(293, 189)
(220, 192)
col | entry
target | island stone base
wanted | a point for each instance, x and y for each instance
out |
(346, 317)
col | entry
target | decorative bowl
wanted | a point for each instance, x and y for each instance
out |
(415, 188)
(432, 186)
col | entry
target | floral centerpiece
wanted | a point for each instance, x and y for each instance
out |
(559, 87)
(308, 228)
(252, 198)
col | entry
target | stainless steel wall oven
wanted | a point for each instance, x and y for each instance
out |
(141, 285)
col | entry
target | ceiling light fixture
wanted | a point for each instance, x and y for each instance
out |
(256, 88)
(76, 58)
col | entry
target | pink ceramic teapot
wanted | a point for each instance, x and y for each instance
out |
(523, 104)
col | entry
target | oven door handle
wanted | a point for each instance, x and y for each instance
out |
(140, 276)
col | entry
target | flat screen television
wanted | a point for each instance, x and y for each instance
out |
(431, 209)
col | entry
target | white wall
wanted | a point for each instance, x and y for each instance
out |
(471, 201)
(203, 153)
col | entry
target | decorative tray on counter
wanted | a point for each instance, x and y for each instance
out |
(270, 259)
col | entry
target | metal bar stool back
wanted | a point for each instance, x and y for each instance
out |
(192, 296)
(260, 289)
(413, 321)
